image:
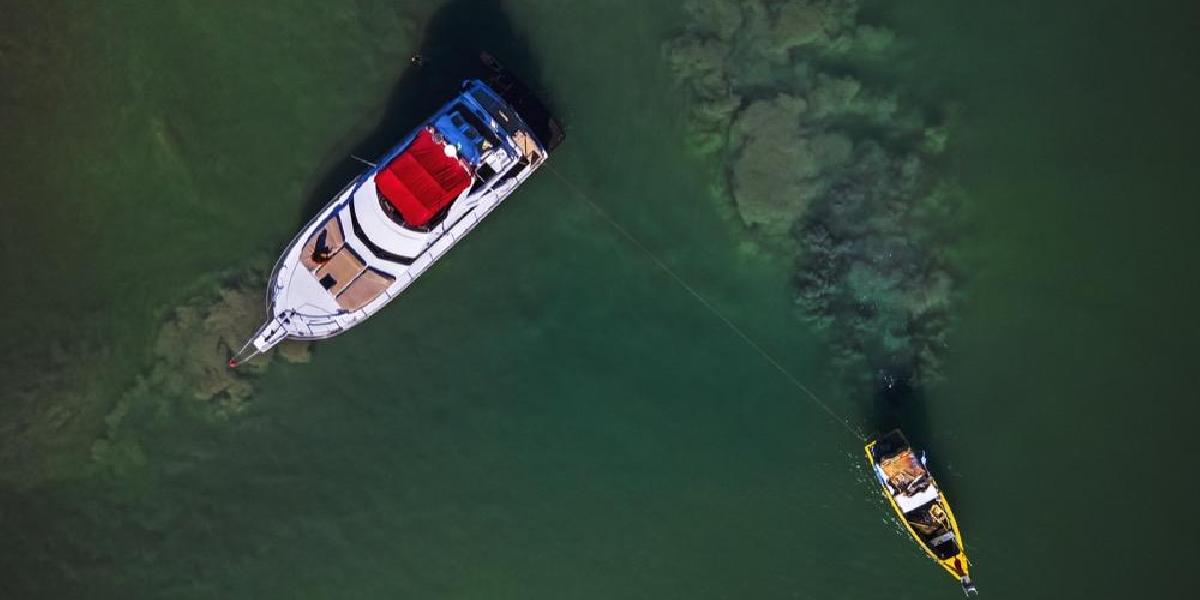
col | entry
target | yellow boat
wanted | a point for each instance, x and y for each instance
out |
(922, 507)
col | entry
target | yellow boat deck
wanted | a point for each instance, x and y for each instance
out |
(905, 473)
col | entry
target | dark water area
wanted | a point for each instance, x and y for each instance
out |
(547, 414)
(1070, 372)
(419, 91)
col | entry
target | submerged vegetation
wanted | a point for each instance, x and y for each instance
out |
(187, 377)
(830, 163)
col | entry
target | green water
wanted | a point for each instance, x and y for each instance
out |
(547, 415)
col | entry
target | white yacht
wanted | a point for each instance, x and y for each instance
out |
(389, 225)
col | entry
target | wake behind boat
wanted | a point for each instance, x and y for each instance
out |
(389, 225)
(920, 504)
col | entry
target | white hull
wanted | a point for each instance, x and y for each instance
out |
(384, 257)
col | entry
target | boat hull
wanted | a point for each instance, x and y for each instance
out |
(956, 564)
(362, 250)
(301, 325)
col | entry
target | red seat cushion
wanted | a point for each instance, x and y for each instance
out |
(422, 180)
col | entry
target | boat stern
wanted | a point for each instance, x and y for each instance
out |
(959, 567)
(968, 586)
(898, 468)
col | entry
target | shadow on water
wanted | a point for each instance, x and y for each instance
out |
(906, 408)
(450, 48)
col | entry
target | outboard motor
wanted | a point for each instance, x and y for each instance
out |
(968, 586)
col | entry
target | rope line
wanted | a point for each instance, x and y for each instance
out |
(711, 308)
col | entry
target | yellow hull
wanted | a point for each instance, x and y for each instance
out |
(957, 566)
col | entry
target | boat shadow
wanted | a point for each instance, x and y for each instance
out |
(906, 408)
(450, 51)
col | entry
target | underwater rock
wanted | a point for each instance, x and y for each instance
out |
(294, 351)
(73, 413)
(832, 164)
(51, 412)
(196, 341)
(777, 168)
(189, 376)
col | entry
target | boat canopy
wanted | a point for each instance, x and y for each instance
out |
(904, 471)
(910, 483)
(423, 179)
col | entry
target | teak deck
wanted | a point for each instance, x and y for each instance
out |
(353, 284)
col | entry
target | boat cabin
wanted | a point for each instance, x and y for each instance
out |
(911, 484)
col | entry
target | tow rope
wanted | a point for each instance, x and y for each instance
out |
(738, 331)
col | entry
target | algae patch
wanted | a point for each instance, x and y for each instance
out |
(186, 378)
(194, 344)
(823, 156)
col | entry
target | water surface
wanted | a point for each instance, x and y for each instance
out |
(547, 415)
